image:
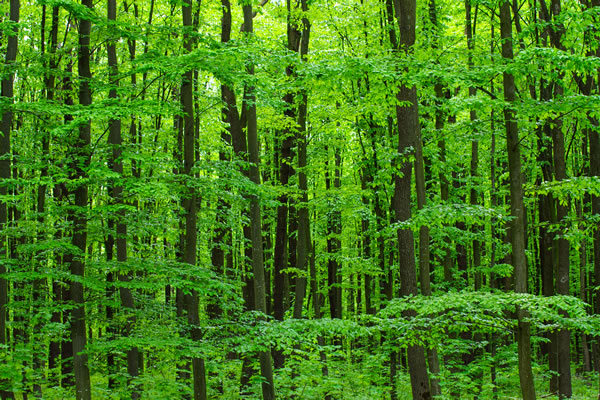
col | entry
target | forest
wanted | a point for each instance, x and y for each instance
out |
(299, 199)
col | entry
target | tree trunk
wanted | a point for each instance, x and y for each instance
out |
(5, 165)
(334, 229)
(50, 83)
(303, 241)
(408, 126)
(80, 162)
(115, 141)
(517, 228)
(66, 346)
(287, 141)
(189, 203)
(268, 390)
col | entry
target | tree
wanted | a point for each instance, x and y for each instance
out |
(407, 118)
(79, 161)
(517, 208)
(116, 142)
(7, 91)
(266, 368)
(189, 202)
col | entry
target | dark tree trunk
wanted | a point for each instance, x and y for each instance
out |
(408, 126)
(80, 162)
(239, 143)
(334, 229)
(115, 140)
(66, 346)
(303, 241)
(517, 228)
(5, 165)
(471, 22)
(595, 171)
(268, 390)
(189, 203)
(288, 142)
(50, 82)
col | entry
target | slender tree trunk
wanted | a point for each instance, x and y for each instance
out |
(303, 241)
(239, 143)
(189, 203)
(81, 159)
(595, 171)
(441, 91)
(334, 229)
(268, 390)
(408, 126)
(563, 337)
(115, 141)
(66, 346)
(111, 329)
(424, 255)
(288, 142)
(5, 165)
(50, 82)
(493, 239)
(387, 287)
(517, 208)
(583, 268)
(471, 22)
(547, 216)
